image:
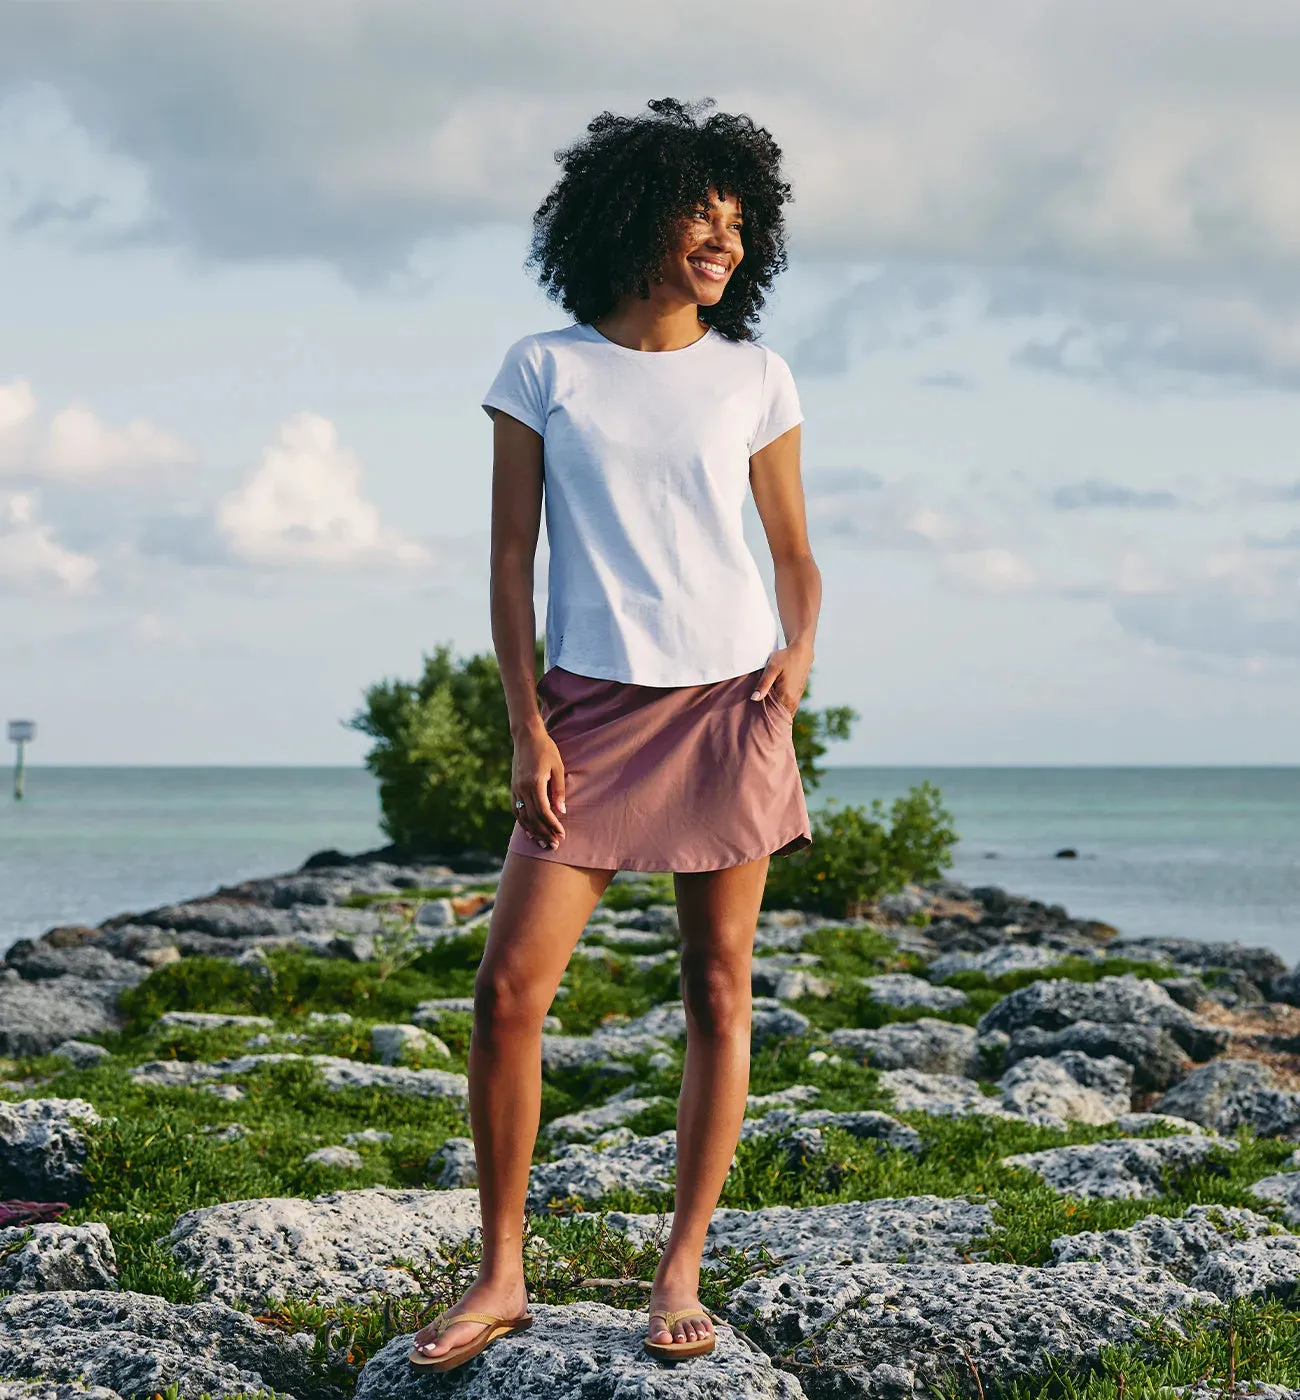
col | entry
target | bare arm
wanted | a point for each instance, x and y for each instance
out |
(537, 777)
(778, 493)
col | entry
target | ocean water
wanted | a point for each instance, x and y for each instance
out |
(1202, 853)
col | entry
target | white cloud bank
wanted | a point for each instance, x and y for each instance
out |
(76, 445)
(305, 505)
(31, 560)
(1150, 140)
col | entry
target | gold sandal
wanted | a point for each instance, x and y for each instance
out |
(680, 1351)
(493, 1327)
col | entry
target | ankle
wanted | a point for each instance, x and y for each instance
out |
(502, 1278)
(677, 1278)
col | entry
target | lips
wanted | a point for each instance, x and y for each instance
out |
(710, 268)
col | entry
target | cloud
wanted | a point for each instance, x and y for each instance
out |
(304, 505)
(1143, 141)
(1211, 620)
(1239, 604)
(991, 571)
(1096, 494)
(76, 445)
(31, 560)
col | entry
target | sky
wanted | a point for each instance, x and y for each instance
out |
(259, 262)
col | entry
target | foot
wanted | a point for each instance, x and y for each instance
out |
(692, 1328)
(505, 1300)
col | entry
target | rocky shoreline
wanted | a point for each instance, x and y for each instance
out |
(990, 1148)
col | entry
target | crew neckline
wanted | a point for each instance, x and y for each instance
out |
(709, 334)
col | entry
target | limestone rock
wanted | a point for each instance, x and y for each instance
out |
(914, 1229)
(1228, 1094)
(1155, 1056)
(367, 1137)
(1118, 1169)
(994, 962)
(928, 1045)
(604, 1050)
(770, 1020)
(42, 1258)
(137, 1344)
(782, 1098)
(1225, 1250)
(391, 1044)
(940, 1095)
(37, 1016)
(340, 1246)
(586, 1351)
(645, 1164)
(592, 1122)
(867, 1125)
(223, 918)
(36, 960)
(42, 1147)
(1138, 1124)
(1260, 965)
(84, 1054)
(212, 1021)
(1128, 1000)
(343, 1158)
(1281, 1190)
(54, 1390)
(902, 989)
(787, 977)
(885, 1332)
(1068, 1088)
(453, 1164)
(337, 1073)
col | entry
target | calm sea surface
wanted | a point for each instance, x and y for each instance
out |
(1200, 853)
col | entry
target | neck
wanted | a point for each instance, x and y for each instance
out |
(654, 323)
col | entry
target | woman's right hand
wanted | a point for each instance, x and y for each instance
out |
(537, 780)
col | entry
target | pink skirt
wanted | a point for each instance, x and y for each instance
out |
(679, 778)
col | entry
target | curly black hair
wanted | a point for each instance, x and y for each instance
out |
(603, 231)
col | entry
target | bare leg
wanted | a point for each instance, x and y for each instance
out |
(540, 911)
(718, 911)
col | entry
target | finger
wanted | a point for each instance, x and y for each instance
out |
(528, 818)
(557, 789)
(547, 821)
(521, 815)
(765, 682)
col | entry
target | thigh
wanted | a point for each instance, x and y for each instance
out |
(541, 908)
(718, 909)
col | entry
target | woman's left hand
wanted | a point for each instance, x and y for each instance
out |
(786, 675)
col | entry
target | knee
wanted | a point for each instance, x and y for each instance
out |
(716, 994)
(506, 1005)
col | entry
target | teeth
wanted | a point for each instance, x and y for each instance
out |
(719, 268)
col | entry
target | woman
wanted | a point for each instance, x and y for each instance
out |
(663, 737)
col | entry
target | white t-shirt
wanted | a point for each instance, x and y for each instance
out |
(646, 472)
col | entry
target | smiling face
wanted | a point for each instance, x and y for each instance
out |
(708, 251)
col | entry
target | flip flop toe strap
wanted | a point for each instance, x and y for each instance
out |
(486, 1319)
(672, 1318)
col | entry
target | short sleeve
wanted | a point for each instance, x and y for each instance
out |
(518, 389)
(780, 409)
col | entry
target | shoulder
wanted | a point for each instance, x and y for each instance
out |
(537, 349)
(756, 354)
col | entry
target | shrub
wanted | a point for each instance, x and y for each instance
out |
(860, 853)
(442, 754)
